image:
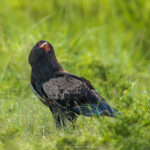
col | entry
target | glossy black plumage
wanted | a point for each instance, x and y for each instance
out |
(66, 95)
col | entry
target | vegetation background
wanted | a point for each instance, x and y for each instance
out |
(106, 41)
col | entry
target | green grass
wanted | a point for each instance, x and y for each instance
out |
(107, 42)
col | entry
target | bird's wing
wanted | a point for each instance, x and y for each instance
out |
(65, 89)
(72, 76)
(75, 93)
(72, 93)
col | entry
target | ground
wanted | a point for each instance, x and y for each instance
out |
(107, 42)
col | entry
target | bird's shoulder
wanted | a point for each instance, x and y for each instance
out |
(71, 77)
(64, 84)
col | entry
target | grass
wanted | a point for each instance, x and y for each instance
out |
(107, 42)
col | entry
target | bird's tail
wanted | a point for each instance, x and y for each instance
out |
(116, 112)
(101, 109)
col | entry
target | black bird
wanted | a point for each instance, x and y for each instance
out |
(66, 94)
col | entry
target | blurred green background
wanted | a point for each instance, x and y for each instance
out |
(106, 41)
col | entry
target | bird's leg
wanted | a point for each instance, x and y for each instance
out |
(71, 116)
(62, 118)
(58, 118)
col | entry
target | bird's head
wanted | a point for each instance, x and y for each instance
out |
(41, 48)
(44, 45)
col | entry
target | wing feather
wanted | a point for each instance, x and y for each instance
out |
(64, 88)
(77, 94)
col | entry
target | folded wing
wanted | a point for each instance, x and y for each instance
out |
(76, 94)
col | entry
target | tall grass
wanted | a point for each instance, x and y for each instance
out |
(107, 42)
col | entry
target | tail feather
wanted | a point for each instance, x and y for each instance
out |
(116, 112)
(101, 109)
(90, 110)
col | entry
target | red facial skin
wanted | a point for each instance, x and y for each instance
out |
(45, 45)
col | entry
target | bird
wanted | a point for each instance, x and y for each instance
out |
(67, 95)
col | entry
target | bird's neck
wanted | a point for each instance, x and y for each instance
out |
(54, 65)
(44, 68)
